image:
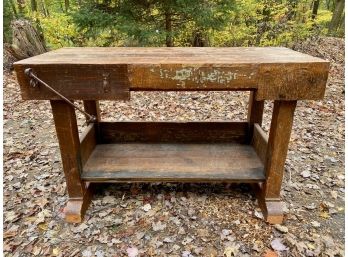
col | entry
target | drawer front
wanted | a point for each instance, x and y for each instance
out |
(76, 82)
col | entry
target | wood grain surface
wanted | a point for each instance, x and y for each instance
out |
(69, 144)
(170, 55)
(173, 162)
(110, 73)
(173, 132)
(259, 142)
(277, 147)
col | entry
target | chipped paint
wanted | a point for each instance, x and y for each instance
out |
(199, 75)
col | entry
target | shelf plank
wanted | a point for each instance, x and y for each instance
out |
(179, 162)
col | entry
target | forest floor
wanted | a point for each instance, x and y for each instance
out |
(185, 220)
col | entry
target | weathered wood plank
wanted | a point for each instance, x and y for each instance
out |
(76, 208)
(255, 113)
(173, 132)
(79, 191)
(279, 137)
(292, 81)
(88, 141)
(259, 142)
(277, 148)
(255, 110)
(68, 138)
(92, 107)
(170, 55)
(110, 73)
(193, 77)
(173, 162)
(84, 81)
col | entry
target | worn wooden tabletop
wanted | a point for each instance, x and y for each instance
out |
(171, 55)
(92, 73)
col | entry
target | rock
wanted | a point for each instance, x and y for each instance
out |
(315, 224)
(306, 173)
(278, 245)
(186, 254)
(258, 215)
(281, 228)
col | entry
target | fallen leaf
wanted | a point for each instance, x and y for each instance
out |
(87, 253)
(146, 207)
(99, 253)
(11, 232)
(315, 224)
(132, 251)
(55, 251)
(232, 250)
(278, 245)
(158, 226)
(270, 253)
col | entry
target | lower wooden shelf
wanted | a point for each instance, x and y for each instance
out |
(173, 162)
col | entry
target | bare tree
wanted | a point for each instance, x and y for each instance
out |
(26, 40)
(336, 17)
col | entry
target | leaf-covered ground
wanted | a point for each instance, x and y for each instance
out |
(179, 219)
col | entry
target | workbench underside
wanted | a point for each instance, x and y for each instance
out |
(170, 152)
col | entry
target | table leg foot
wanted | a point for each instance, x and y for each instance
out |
(76, 207)
(272, 209)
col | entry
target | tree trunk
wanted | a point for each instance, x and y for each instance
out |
(21, 7)
(169, 29)
(66, 5)
(44, 8)
(315, 8)
(328, 4)
(341, 26)
(13, 8)
(200, 39)
(33, 5)
(336, 16)
(26, 40)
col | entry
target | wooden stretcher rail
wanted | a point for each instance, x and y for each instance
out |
(88, 141)
(259, 142)
(173, 132)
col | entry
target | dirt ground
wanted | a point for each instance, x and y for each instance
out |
(185, 220)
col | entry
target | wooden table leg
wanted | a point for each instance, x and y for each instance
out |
(255, 112)
(92, 107)
(279, 136)
(68, 137)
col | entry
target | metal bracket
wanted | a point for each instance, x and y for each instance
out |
(106, 86)
(35, 81)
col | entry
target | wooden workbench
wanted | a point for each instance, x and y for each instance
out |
(173, 151)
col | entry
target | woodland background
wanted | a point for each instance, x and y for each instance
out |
(217, 23)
